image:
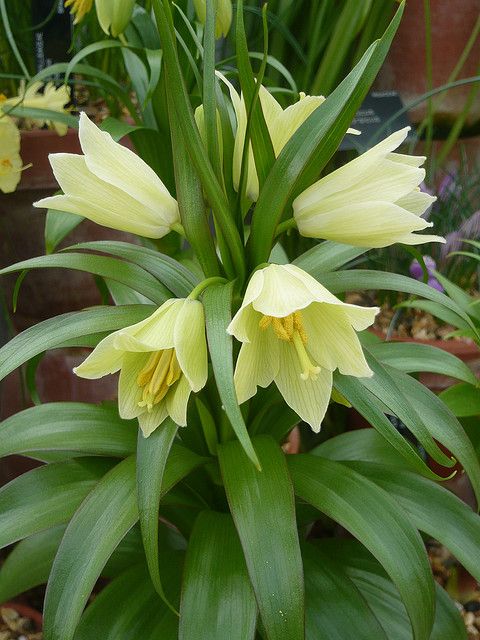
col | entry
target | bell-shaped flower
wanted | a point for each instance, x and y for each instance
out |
(281, 124)
(40, 96)
(161, 361)
(296, 333)
(223, 17)
(114, 15)
(10, 160)
(112, 186)
(372, 201)
(79, 8)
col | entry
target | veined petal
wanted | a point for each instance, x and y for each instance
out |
(191, 345)
(417, 238)
(122, 168)
(151, 420)
(290, 119)
(239, 323)
(154, 333)
(258, 360)
(417, 202)
(332, 341)
(99, 201)
(129, 393)
(282, 293)
(351, 173)
(309, 398)
(177, 401)
(103, 360)
(363, 224)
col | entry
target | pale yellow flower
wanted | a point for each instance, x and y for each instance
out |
(223, 18)
(114, 15)
(112, 186)
(372, 201)
(161, 361)
(296, 333)
(79, 8)
(10, 160)
(281, 124)
(51, 98)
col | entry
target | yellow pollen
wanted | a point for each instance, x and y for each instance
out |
(5, 166)
(291, 329)
(160, 372)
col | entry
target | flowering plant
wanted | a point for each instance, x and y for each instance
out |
(182, 495)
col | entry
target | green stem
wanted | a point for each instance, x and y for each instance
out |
(208, 282)
(285, 226)
(178, 228)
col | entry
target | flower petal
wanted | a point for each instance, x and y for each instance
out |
(190, 343)
(154, 333)
(332, 342)
(309, 398)
(151, 420)
(103, 360)
(122, 168)
(129, 393)
(177, 401)
(290, 119)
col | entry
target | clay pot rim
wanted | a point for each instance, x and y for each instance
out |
(26, 611)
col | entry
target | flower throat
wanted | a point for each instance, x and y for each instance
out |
(157, 376)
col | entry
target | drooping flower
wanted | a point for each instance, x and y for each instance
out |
(296, 333)
(281, 124)
(112, 186)
(52, 98)
(161, 361)
(372, 201)
(114, 15)
(223, 17)
(79, 8)
(10, 160)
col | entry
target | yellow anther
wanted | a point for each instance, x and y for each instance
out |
(265, 322)
(298, 324)
(280, 330)
(159, 373)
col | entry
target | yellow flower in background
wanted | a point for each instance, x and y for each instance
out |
(112, 186)
(281, 124)
(114, 15)
(296, 333)
(223, 18)
(161, 361)
(51, 98)
(10, 160)
(79, 8)
(372, 201)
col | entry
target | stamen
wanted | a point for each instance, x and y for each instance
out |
(265, 322)
(309, 370)
(146, 373)
(157, 376)
(298, 324)
(280, 330)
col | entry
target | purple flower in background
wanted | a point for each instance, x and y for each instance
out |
(426, 189)
(447, 186)
(416, 272)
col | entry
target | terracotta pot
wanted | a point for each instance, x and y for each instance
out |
(26, 612)
(404, 70)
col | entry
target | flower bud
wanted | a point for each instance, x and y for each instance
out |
(223, 18)
(114, 15)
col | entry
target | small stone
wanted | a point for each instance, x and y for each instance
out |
(473, 606)
(469, 618)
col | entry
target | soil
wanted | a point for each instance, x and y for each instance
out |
(14, 626)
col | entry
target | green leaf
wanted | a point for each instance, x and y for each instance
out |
(47, 496)
(217, 303)
(56, 426)
(384, 385)
(28, 565)
(312, 145)
(262, 507)
(335, 609)
(432, 509)
(59, 224)
(437, 310)
(463, 400)
(152, 455)
(443, 426)
(383, 598)
(129, 608)
(365, 445)
(127, 273)
(358, 279)
(327, 256)
(44, 114)
(373, 410)
(174, 276)
(411, 357)
(54, 332)
(217, 598)
(375, 519)
(95, 530)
